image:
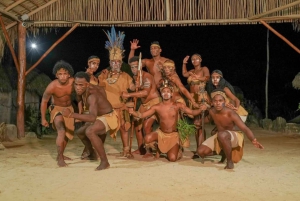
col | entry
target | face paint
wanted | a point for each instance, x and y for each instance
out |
(115, 65)
(215, 79)
(166, 95)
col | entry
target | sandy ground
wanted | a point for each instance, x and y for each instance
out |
(29, 172)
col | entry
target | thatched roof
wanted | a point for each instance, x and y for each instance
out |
(64, 13)
(57, 13)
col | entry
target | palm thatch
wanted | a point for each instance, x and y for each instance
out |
(296, 81)
(37, 82)
(5, 83)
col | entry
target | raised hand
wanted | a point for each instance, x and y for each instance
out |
(185, 60)
(134, 44)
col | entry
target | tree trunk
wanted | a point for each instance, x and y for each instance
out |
(21, 80)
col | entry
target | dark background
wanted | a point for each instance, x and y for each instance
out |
(239, 51)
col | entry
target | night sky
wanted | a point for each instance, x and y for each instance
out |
(239, 51)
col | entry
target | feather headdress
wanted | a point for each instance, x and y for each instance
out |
(115, 44)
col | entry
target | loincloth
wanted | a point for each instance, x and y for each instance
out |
(167, 141)
(146, 106)
(69, 122)
(111, 123)
(237, 142)
(242, 113)
(123, 117)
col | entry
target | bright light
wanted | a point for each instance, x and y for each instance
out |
(33, 45)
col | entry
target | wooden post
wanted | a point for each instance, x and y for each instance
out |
(21, 80)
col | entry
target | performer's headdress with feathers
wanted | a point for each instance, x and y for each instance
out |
(115, 44)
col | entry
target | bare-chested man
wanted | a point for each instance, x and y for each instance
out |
(227, 138)
(59, 91)
(153, 65)
(166, 135)
(100, 117)
(149, 96)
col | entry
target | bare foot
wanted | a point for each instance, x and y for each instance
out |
(136, 152)
(229, 165)
(62, 163)
(148, 155)
(103, 166)
(66, 158)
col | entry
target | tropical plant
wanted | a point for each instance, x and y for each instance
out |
(185, 129)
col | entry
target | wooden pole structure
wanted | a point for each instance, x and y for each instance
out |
(267, 76)
(280, 36)
(21, 81)
(12, 51)
(274, 10)
(52, 47)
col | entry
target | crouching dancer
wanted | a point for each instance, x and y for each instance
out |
(100, 117)
(166, 135)
(227, 139)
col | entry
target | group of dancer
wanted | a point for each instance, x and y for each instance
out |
(107, 104)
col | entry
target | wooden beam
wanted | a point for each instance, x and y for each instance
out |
(167, 10)
(280, 36)
(12, 51)
(274, 10)
(13, 5)
(9, 15)
(52, 47)
(33, 12)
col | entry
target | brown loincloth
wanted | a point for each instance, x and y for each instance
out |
(146, 106)
(167, 141)
(237, 142)
(69, 122)
(111, 122)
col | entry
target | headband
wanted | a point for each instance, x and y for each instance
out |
(213, 94)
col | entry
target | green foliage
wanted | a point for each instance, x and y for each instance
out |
(33, 121)
(298, 107)
(185, 129)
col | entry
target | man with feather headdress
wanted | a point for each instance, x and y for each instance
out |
(115, 82)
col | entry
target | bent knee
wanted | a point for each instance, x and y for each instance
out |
(172, 158)
(203, 150)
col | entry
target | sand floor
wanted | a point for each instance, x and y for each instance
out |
(29, 172)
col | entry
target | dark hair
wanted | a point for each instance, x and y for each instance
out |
(218, 71)
(63, 65)
(93, 57)
(133, 59)
(82, 74)
(155, 43)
